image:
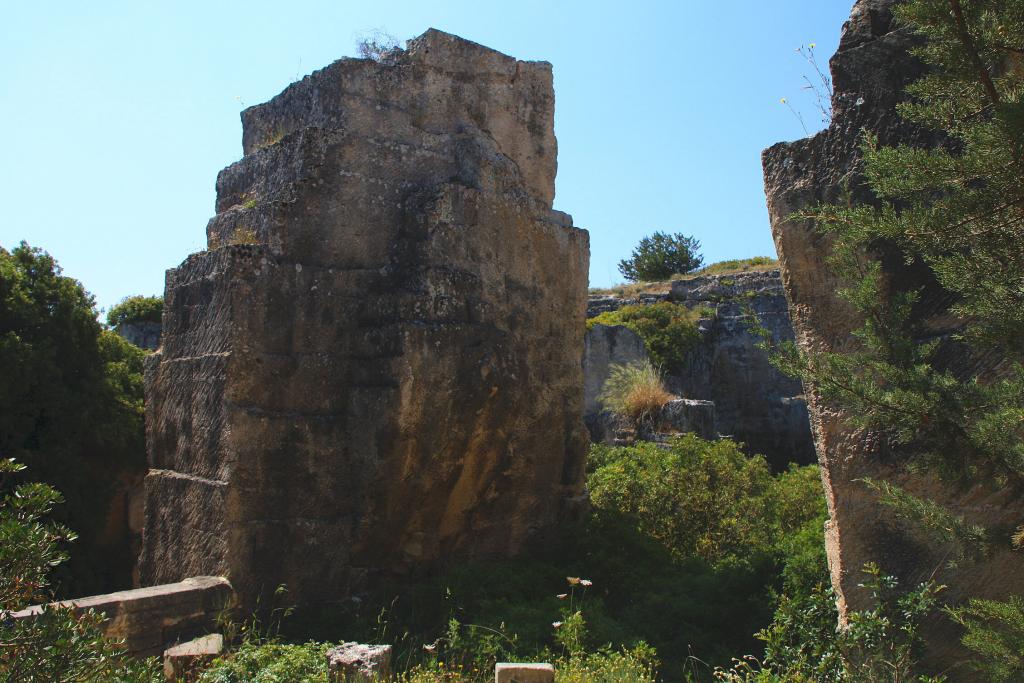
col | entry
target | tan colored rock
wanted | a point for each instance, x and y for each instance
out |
(870, 72)
(359, 663)
(386, 374)
(184, 663)
(148, 619)
(505, 672)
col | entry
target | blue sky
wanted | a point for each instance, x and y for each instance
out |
(117, 116)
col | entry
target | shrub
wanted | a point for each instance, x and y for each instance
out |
(669, 330)
(136, 309)
(706, 499)
(878, 644)
(661, 256)
(379, 46)
(57, 645)
(738, 265)
(270, 662)
(634, 391)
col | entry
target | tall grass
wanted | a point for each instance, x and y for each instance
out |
(635, 391)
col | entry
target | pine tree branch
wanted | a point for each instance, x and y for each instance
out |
(968, 42)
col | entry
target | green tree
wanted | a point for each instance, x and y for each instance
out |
(660, 256)
(70, 408)
(135, 309)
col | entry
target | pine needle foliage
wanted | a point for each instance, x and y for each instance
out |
(958, 211)
(661, 255)
(995, 631)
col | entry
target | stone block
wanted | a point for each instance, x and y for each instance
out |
(358, 662)
(148, 619)
(183, 663)
(687, 415)
(507, 672)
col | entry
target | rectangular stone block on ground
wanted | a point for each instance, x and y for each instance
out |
(507, 672)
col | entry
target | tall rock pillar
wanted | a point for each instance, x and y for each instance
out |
(870, 72)
(375, 367)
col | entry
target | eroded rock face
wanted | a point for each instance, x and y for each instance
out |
(145, 335)
(388, 376)
(750, 400)
(755, 403)
(870, 72)
(603, 347)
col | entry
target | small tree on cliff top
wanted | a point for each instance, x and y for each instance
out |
(661, 256)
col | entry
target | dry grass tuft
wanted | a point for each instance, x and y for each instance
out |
(635, 391)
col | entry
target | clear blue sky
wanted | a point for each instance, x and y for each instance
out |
(117, 115)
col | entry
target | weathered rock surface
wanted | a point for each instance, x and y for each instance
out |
(533, 672)
(755, 403)
(752, 401)
(148, 619)
(687, 415)
(870, 71)
(184, 663)
(389, 377)
(603, 303)
(603, 347)
(358, 662)
(145, 335)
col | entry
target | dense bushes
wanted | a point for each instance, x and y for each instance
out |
(70, 407)
(669, 330)
(707, 500)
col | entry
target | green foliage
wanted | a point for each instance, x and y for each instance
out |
(56, 645)
(995, 631)
(136, 309)
(270, 662)
(661, 256)
(705, 499)
(629, 665)
(803, 644)
(669, 330)
(952, 214)
(70, 406)
(955, 211)
(634, 390)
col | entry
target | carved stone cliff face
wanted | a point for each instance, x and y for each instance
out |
(753, 401)
(388, 376)
(870, 72)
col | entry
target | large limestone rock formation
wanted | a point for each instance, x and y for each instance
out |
(870, 71)
(376, 365)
